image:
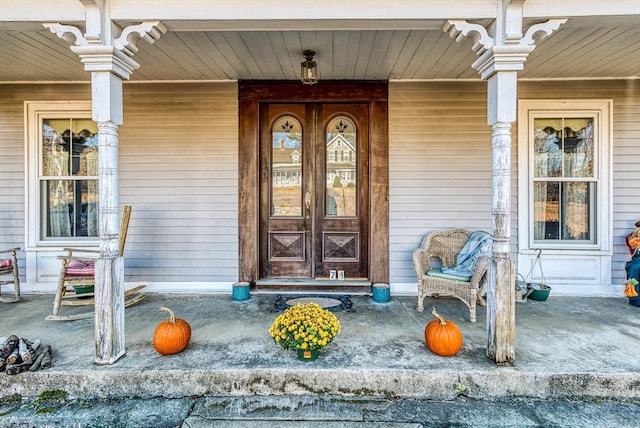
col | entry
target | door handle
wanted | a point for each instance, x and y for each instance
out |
(307, 201)
(307, 204)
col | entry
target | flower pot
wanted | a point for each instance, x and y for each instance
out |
(304, 327)
(308, 355)
(539, 292)
(241, 292)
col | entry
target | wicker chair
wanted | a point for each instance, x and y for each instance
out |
(9, 268)
(445, 246)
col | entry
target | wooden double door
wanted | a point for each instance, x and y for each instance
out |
(314, 190)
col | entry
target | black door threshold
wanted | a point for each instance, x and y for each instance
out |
(311, 286)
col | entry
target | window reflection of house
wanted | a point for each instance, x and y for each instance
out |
(341, 161)
(341, 176)
(286, 168)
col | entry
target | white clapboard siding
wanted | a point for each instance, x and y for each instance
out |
(11, 171)
(179, 171)
(625, 150)
(439, 164)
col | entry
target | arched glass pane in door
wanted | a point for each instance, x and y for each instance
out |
(341, 168)
(286, 167)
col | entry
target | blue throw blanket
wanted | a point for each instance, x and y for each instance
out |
(479, 244)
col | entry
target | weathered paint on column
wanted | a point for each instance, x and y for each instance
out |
(109, 220)
(501, 185)
(501, 315)
(501, 295)
(109, 308)
(502, 96)
(109, 276)
(502, 99)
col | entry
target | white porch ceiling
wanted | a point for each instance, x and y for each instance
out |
(583, 48)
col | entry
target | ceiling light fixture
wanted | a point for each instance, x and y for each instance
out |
(309, 68)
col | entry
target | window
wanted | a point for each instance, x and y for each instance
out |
(340, 170)
(286, 167)
(564, 179)
(566, 173)
(63, 172)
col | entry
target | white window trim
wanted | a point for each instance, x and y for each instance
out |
(34, 111)
(603, 111)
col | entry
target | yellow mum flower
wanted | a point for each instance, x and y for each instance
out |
(305, 326)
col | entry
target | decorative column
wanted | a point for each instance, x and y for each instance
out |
(109, 60)
(502, 52)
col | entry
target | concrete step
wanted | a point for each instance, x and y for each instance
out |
(281, 408)
(317, 412)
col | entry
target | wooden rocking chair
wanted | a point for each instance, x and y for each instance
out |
(9, 268)
(78, 272)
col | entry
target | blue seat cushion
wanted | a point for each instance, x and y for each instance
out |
(438, 273)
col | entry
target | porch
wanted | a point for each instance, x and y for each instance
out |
(584, 347)
(225, 44)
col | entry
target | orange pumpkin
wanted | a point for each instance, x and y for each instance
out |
(171, 335)
(634, 242)
(443, 337)
(630, 289)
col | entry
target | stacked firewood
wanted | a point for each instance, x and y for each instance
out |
(19, 355)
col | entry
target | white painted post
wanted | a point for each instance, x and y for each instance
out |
(501, 316)
(109, 277)
(106, 94)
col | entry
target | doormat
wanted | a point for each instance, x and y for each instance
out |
(329, 302)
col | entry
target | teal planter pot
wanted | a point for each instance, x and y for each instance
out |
(308, 355)
(240, 292)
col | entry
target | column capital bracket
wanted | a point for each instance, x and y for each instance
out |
(507, 56)
(459, 29)
(149, 31)
(116, 57)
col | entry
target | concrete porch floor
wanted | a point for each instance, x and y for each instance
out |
(585, 347)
